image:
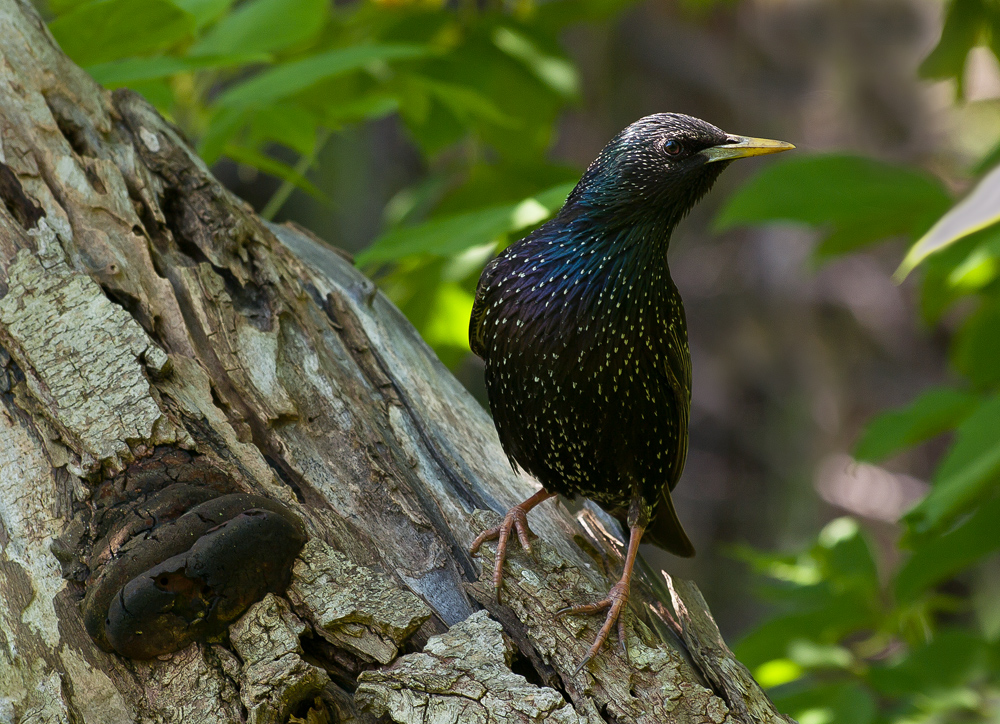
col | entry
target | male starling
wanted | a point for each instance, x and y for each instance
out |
(583, 334)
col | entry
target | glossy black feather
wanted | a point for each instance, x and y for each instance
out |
(583, 331)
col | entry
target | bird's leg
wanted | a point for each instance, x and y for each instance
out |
(617, 597)
(516, 518)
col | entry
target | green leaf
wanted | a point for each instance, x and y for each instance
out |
(991, 159)
(452, 234)
(61, 7)
(855, 200)
(369, 107)
(969, 471)
(287, 124)
(975, 212)
(133, 70)
(940, 557)
(950, 659)
(976, 349)
(964, 28)
(448, 325)
(223, 126)
(204, 11)
(934, 412)
(981, 266)
(273, 167)
(466, 103)
(829, 703)
(264, 26)
(557, 73)
(106, 30)
(288, 79)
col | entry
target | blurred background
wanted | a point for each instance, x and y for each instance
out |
(857, 578)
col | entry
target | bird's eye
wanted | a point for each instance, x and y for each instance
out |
(672, 148)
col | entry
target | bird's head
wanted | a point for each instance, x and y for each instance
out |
(659, 167)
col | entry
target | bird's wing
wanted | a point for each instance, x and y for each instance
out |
(477, 339)
(665, 530)
(678, 372)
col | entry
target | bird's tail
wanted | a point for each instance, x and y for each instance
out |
(666, 531)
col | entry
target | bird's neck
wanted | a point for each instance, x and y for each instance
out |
(634, 248)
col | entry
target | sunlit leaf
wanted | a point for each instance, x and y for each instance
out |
(777, 672)
(853, 200)
(934, 412)
(557, 73)
(839, 594)
(131, 70)
(452, 234)
(99, 32)
(264, 26)
(942, 556)
(970, 471)
(811, 655)
(964, 26)
(449, 318)
(288, 79)
(273, 167)
(982, 265)
(978, 210)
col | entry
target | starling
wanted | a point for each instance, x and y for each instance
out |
(583, 334)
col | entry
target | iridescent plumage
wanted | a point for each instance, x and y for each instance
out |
(583, 331)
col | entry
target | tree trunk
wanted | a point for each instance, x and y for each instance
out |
(155, 332)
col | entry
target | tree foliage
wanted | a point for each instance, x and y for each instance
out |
(855, 639)
(266, 82)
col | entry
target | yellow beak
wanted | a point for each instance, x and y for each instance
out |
(744, 147)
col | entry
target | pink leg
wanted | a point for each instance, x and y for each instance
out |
(517, 518)
(615, 602)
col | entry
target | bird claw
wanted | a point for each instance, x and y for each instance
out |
(517, 519)
(615, 603)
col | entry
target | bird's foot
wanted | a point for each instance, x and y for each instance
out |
(615, 604)
(516, 519)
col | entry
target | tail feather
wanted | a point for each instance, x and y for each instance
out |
(665, 530)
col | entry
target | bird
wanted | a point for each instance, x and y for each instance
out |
(584, 339)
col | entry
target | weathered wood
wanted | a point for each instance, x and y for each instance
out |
(154, 330)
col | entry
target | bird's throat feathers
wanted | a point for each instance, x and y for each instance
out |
(618, 199)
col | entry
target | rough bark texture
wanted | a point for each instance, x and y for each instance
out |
(154, 331)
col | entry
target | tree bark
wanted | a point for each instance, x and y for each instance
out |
(154, 331)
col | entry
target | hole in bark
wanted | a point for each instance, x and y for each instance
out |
(521, 666)
(94, 179)
(72, 124)
(175, 214)
(342, 667)
(218, 401)
(20, 206)
(250, 300)
(150, 226)
(312, 709)
(287, 479)
(130, 304)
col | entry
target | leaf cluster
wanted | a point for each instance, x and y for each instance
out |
(266, 83)
(857, 639)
